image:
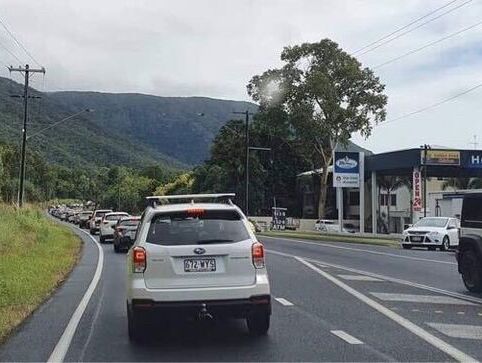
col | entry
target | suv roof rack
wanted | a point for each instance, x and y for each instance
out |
(155, 200)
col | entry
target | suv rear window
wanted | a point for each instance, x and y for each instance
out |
(129, 223)
(114, 217)
(208, 227)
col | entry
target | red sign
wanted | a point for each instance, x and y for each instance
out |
(417, 191)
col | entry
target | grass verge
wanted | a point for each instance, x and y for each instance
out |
(36, 255)
(331, 237)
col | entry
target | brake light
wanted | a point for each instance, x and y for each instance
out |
(139, 259)
(195, 212)
(257, 253)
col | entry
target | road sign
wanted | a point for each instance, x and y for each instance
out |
(279, 218)
(346, 169)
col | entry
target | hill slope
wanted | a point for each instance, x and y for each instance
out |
(129, 129)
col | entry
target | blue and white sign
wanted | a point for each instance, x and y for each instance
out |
(346, 169)
(472, 159)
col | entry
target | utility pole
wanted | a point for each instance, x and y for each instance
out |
(26, 71)
(246, 169)
(425, 148)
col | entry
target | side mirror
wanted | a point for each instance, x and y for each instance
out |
(451, 227)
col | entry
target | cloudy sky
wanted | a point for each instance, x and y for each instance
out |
(213, 47)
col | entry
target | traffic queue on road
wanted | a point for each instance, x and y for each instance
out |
(116, 227)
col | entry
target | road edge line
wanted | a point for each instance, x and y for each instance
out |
(63, 345)
(413, 328)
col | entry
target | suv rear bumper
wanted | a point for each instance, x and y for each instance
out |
(236, 308)
(137, 289)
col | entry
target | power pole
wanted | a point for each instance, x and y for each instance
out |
(26, 71)
(246, 169)
(475, 143)
(425, 148)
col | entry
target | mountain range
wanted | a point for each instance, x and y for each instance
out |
(123, 129)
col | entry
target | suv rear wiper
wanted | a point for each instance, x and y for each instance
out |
(208, 241)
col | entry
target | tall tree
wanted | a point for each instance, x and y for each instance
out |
(328, 96)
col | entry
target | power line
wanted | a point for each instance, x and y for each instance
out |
(417, 27)
(427, 45)
(404, 27)
(18, 42)
(11, 53)
(433, 105)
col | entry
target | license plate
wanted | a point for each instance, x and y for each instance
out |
(200, 265)
(417, 239)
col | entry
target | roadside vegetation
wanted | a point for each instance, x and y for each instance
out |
(36, 255)
(334, 237)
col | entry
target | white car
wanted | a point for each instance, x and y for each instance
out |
(94, 223)
(107, 225)
(432, 232)
(326, 225)
(196, 260)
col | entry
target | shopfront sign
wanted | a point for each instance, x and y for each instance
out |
(417, 191)
(440, 157)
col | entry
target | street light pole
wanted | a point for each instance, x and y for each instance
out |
(246, 168)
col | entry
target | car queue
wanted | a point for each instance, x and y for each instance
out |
(119, 228)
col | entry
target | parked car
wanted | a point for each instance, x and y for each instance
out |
(84, 218)
(94, 223)
(469, 252)
(327, 225)
(125, 232)
(196, 260)
(107, 225)
(432, 232)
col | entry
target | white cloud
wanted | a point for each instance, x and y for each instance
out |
(213, 47)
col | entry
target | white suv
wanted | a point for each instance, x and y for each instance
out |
(107, 225)
(198, 260)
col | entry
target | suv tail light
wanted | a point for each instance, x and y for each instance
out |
(139, 259)
(257, 253)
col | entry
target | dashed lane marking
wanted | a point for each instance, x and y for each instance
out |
(425, 299)
(407, 324)
(283, 301)
(359, 278)
(439, 312)
(461, 313)
(346, 337)
(458, 330)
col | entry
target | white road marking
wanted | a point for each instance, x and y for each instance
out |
(415, 329)
(415, 310)
(459, 330)
(425, 299)
(362, 250)
(439, 312)
(461, 313)
(346, 337)
(359, 278)
(384, 277)
(60, 350)
(283, 301)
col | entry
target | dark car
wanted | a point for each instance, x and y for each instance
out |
(124, 233)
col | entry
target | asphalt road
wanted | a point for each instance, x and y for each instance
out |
(332, 302)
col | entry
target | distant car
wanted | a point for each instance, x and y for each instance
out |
(107, 225)
(432, 232)
(196, 261)
(125, 233)
(84, 218)
(94, 222)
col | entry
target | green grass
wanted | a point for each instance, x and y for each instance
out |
(35, 257)
(332, 237)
